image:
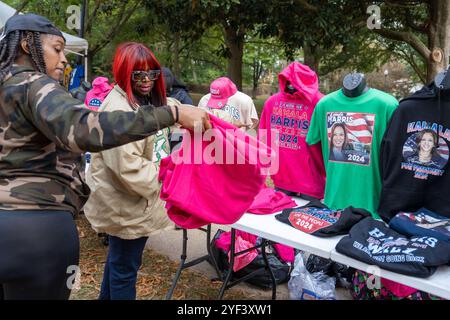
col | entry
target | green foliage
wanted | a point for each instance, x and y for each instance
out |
(415, 19)
(54, 10)
(261, 57)
(189, 35)
(363, 54)
(329, 32)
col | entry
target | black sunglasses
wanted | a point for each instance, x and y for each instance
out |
(141, 76)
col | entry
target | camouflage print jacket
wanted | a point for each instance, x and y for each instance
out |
(43, 131)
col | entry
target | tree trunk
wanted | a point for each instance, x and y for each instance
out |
(255, 77)
(21, 6)
(438, 38)
(234, 40)
(194, 74)
(311, 58)
(90, 59)
(176, 56)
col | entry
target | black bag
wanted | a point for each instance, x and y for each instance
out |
(280, 269)
(342, 273)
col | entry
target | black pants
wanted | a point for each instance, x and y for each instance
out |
(39, 254)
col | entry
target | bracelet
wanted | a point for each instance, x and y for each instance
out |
(177, 115)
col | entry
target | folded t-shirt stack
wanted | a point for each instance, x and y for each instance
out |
(317, 219)
(423, 222)
(374, 243)
(213, 178)
(270, 201)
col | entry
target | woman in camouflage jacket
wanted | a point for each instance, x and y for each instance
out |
(43, 132)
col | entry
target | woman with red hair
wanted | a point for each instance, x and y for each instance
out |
(125, 202)
(43, 132)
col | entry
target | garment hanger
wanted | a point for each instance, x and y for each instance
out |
(354, 85)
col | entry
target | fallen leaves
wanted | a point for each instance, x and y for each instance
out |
(154, 278)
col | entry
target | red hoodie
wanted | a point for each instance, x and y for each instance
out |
(301, 167)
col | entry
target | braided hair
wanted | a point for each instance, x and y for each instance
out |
(10, 46)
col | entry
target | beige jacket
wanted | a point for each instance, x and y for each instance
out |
(124, 200)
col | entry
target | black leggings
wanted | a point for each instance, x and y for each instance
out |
(39, 253)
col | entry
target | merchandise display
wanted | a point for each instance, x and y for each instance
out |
(350, 130)
(415, 153)
(288, 113)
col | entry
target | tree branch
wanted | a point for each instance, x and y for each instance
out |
(409, 21)
(403, 3)
(22, 6)
(265, 43)
(407, 37)
(307, 6)
(208, 61)
(92, 16)
(410, 60)
(123, 17)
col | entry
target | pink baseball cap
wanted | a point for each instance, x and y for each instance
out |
(221, 89)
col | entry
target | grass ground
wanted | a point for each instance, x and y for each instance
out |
(154, 277)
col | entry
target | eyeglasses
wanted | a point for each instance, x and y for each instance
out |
(141, 76)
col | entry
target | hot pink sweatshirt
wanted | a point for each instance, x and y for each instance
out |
(301, 167)
(199, 191)
(286, 253)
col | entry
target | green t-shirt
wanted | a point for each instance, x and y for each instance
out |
(351, 130)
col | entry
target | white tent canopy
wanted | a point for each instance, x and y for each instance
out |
(74, 44)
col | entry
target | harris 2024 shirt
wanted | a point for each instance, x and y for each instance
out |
(351, 131)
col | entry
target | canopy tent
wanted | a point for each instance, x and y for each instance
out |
(74, 44)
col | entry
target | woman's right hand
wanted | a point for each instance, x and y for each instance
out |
(190, 117)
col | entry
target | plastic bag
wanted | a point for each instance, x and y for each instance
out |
(304, 285)
(316, 264)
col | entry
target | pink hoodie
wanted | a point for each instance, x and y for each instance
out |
(269, 201)
(198, 193)
(301, 167)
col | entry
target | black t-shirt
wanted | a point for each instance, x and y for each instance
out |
(372, 242)
(317, 219)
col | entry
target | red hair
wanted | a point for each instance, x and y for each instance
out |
(133, 56)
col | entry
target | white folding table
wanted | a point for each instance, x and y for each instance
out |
(268, 227)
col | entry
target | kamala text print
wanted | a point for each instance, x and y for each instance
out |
(310, 220)
(426, 151)
(291, 120)
(350, 136)
(394, 250)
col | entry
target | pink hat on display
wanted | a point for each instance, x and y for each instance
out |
(221, 89)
